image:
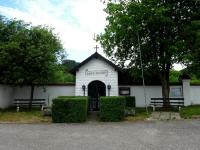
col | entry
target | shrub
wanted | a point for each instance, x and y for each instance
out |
(69, 109)
(130, 101)
(112, 108)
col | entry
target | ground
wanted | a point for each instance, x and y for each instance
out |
(151, 135)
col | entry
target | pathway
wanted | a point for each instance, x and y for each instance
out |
(165, 116)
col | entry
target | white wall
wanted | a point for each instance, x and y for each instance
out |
(47, 92)
(6, 96)
(96, 65)
(151, 92)
(195, 94)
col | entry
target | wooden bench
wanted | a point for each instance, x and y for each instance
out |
(26, 102)
(174, 102)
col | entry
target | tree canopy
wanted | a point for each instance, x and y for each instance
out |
(28, 54)
(155, 27)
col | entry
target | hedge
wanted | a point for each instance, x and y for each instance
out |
(112, 108)
(69, 109)
(130, 101)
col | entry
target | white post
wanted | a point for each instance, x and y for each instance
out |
(186, 92)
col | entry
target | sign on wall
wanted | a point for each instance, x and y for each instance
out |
(96, 72)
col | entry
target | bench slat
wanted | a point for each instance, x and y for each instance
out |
(29, 100)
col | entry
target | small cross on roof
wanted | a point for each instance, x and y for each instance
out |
(96, 48)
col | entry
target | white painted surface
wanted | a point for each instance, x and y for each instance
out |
(48, 92)
(195, 95)
(96, 65)
(8, 93)
(6, 96)
(151, 92)
(186, 92)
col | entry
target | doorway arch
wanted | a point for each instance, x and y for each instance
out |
(96, 89)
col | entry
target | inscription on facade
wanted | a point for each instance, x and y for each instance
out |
(96, 72)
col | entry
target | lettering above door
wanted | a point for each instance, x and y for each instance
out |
(96, 72)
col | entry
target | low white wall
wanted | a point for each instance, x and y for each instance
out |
(151, 92)
(195, 94)
(6, 96)
(47, 92)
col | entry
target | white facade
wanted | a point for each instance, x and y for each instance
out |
(6, 96)
(96, 69)
(8, 93)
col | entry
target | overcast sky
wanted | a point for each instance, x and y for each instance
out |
(75, 21)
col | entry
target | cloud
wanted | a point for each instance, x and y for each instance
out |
(75, 21)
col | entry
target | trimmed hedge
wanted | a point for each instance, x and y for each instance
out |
(69, 109)
(130, 101)
(112, 108)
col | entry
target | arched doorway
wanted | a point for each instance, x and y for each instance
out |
(95, 90)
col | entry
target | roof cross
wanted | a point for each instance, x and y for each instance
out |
(96, 48)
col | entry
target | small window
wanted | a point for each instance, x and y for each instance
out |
(176, 92)
(124, 91)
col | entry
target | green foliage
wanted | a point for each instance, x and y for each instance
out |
(130, 101)
(190, 111)
(68, 65)
(175, 76)
(158, 25)
(61, 76)
(112, 108)
(192, 59)
(28, 54)
(69, 109)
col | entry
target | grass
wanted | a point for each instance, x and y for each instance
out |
(24, 116)
(140, 114)
(190, 112)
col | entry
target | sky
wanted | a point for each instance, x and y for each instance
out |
(75, 21)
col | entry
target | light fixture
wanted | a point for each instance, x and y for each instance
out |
(83, 87)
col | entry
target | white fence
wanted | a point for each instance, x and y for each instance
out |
(190, 93)
(8, 94)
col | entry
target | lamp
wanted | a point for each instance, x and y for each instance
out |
(83, 87)
(108, 87)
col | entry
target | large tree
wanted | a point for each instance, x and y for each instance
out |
(153, 26)
(28, 54)
(192, 37)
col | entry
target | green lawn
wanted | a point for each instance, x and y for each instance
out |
(140, 114)
(190, 112)
(24, 116)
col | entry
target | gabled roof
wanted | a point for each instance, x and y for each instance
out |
(97, 56)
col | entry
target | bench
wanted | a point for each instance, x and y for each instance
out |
(174, 102)
(26, 102)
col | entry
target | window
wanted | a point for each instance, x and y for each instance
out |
(124, 91)
(176, 92)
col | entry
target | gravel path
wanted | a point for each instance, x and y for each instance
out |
(151, 135)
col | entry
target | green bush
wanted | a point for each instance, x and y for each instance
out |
(130, 101)
(112, 108)
(69, 109)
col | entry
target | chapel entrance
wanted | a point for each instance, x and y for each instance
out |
(96, 89)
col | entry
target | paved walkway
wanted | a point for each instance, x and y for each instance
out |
(165, 116)
(149, 135)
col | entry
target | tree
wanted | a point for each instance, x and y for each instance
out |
(154, 26)
(28, 54)
(192, 37)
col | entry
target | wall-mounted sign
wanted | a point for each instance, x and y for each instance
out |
(96, 72)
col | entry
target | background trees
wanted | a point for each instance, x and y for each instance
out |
(28, 54)
(158, 25)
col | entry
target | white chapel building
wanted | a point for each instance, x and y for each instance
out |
(97, 76)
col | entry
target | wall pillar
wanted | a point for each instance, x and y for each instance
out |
(186, 92)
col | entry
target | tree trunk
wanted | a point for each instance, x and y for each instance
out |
(31, 97)
(165, 86)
